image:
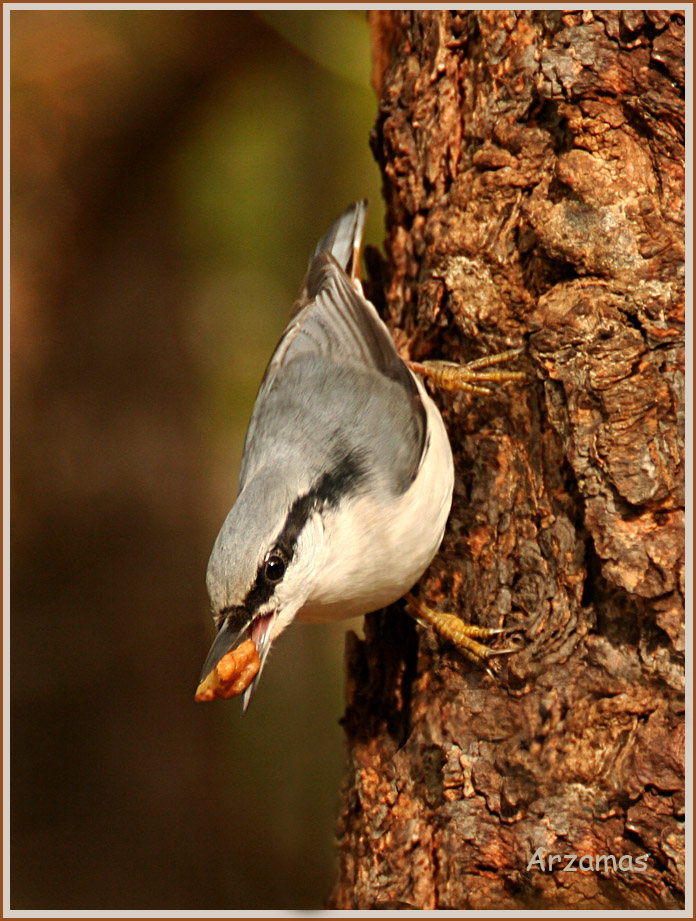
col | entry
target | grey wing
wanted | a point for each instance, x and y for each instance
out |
(337, 329)
(337, 323)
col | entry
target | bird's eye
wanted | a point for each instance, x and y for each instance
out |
(274, 568)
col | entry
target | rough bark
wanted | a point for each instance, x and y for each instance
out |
(533, 167)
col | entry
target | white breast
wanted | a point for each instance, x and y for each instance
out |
(373, 553)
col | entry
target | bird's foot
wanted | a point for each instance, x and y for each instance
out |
(464, 636)
(450, 376)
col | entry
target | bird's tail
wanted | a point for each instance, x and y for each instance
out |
(343, 239)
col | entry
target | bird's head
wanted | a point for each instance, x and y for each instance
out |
(261, 568)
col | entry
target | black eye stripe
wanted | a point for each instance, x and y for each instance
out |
(327, 492)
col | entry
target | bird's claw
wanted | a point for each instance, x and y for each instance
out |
(449, 375)
(464, 636)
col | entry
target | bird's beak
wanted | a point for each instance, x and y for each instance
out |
(260, 632)
(230, 635)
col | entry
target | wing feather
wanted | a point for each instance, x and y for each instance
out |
(337, 327)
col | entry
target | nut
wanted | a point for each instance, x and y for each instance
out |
(232, 675)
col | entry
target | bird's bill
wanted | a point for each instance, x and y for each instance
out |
(261, 633)
(229, 636)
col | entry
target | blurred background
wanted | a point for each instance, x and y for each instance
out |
(171, 173)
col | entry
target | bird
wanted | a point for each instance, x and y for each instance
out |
(347, 474)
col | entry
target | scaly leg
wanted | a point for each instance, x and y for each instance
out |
(464, 636)
(450, 376)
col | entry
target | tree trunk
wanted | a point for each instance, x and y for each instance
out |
(533, 167)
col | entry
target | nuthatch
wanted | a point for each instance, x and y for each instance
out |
(347, 474)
